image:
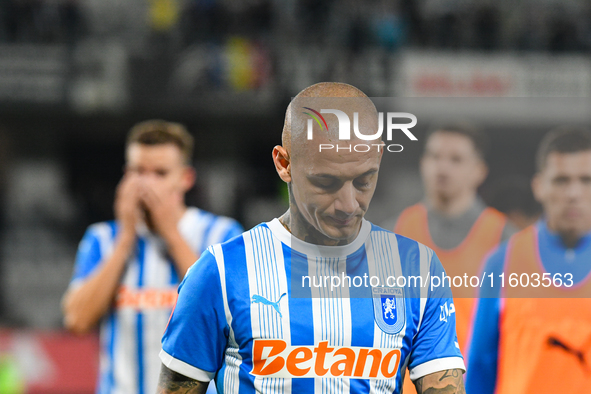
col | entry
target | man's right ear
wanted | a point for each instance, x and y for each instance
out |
(282, 163)
(536, 187)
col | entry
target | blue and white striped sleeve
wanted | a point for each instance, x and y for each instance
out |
(88, 255)
(196, 336)
(435, 347)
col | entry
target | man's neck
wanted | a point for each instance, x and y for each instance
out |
(570, 239)
(452, 207)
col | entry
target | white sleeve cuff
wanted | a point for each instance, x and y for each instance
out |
(437, 365)
(185, 369)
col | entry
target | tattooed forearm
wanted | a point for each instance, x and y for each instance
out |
(444, 382)
(453, 373)
(172, 382)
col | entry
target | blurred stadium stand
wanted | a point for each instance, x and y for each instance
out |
(76, 74)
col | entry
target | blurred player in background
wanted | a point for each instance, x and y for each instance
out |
(453, 220)
(237, 318)
(127, 271)
(537, 339)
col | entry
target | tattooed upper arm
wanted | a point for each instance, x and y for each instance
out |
(172, 382)
(450, 381)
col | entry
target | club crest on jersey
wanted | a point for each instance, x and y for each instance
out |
(389, 308)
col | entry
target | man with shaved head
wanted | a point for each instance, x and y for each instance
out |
(263, 312)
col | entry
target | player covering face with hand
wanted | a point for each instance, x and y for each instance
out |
(127, 270)
(245, 318)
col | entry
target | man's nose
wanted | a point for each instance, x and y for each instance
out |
(346, 199)
(574, 190)
(444, 166)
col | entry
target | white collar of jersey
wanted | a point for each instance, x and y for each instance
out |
(319, 250)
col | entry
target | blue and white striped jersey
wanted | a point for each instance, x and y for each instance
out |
(245, 317)
(130, 333)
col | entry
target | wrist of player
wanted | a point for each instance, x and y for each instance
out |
(126, 236)
(170, 233)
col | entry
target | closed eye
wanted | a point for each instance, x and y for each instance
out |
(325, 183)
(560, 180)
(362, 184)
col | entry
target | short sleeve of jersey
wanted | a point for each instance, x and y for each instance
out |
(88, 255)
(195, 339)
(435, 347)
